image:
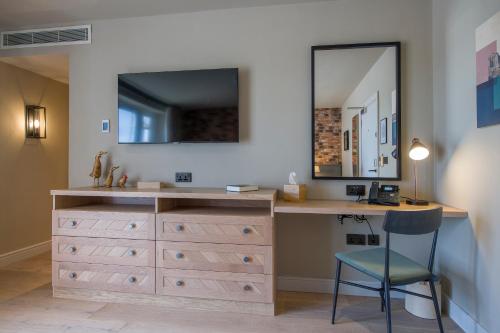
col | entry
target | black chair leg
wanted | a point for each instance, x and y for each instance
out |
(436, 306)
(382, 305)
(336, 290)
(387, 290)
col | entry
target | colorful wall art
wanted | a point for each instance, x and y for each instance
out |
(488, 72)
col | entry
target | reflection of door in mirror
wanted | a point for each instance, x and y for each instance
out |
(369, 138)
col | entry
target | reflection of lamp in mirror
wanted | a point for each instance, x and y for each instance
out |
(35, 122)
(418, 152)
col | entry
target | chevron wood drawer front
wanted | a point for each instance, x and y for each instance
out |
(215, 285)
(215, 257)
(255, 230)
(104, 277)
(128, 225)
(104, 251)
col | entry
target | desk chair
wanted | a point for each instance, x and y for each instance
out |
(391, 268)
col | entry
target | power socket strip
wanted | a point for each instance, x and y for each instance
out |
(183, 177)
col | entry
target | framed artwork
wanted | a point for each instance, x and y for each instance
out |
(383, 131)
(346, 140)
(488, 72)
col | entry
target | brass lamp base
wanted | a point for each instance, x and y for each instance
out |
(417, 202)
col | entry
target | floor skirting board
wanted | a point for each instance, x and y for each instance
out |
(24, 253)
(314, 285)
(461, 317)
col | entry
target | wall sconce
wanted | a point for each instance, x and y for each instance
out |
(36, 124)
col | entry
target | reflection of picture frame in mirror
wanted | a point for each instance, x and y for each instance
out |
(383, 131)
(346, 140)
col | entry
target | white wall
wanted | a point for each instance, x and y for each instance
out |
(467, 164)
(271, 46)
(381, 80)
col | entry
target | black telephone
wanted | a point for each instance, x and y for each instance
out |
(387, 195)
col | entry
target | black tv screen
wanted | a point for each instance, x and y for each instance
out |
(180, 106)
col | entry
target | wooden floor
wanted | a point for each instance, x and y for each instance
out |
(26, 305)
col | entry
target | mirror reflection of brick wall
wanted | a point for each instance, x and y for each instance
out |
(328, 136)
(210, 125)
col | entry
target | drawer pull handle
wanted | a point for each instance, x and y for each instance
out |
(132, 253)
(247, 230)
(179, 283)
(72, 275)
(179, 255)
(247, 287)
(179, 227)
(247, 259)
(74, 223)
(132, 226)
(73, 249)
(132, 279)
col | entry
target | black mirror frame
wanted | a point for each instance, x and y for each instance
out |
(397, 45)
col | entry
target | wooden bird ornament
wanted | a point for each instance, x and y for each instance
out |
(97, 168)
(122, 181)
(109, 179)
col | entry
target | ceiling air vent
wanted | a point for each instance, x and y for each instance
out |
(46, 37)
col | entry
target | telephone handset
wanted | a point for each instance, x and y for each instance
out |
(387, 195)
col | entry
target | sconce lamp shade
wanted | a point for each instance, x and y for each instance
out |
(418, 151)
(36, 122)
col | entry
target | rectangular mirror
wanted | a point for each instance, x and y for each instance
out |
(356, 111)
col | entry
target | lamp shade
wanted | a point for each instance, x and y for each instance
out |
(418, 151)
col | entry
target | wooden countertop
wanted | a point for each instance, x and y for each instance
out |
(169, 192)
(335, 207)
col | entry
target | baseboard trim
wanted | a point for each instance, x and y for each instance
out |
(462, 318)
(314, 285)
(24, 253)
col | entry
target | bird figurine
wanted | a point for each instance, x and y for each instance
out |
(97, 169)
(122, 181)
(109, 179)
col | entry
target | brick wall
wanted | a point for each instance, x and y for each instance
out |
(328, 136)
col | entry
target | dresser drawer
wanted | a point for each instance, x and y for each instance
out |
(215, 229)
(127, 252)
(103, 224)
(216, 285)
(215, 257)
(104, 277)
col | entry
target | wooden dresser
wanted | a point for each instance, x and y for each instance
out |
(181, 247)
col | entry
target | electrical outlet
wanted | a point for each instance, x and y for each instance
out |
(373, 240)
(355, 190)
(183, 177)
(356, 239)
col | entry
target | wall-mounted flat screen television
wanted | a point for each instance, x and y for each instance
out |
(178, 106)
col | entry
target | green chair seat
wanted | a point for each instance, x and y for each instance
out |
(402, 270)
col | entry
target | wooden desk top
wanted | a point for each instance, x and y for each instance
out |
(336, 207)
(168, 192)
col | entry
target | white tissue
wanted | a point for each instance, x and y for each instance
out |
(292, 179)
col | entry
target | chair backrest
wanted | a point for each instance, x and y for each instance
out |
(416, 222)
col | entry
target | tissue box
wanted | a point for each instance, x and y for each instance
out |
(295, 193)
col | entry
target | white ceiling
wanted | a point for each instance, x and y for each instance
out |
(54, 66)
(30, 13)
(338, 72)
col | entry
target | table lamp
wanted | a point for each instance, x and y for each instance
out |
(418, 152)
